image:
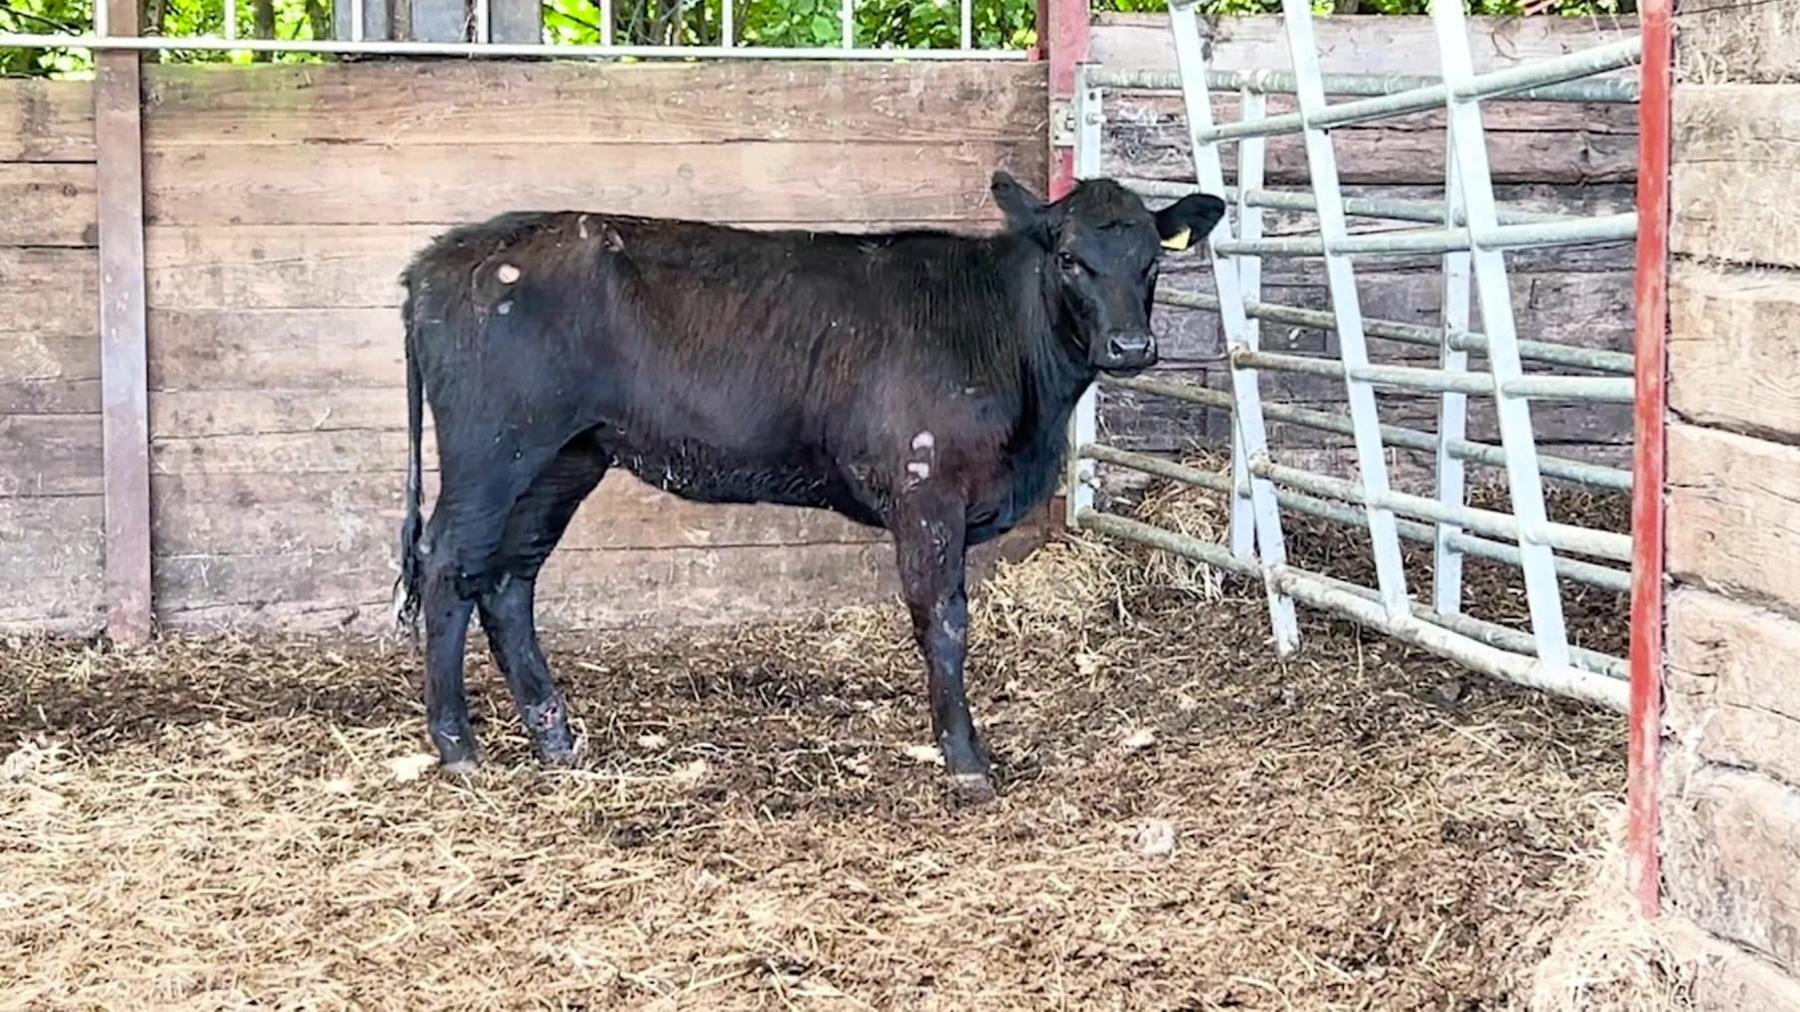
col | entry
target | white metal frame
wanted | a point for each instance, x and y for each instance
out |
(482, 44)
(1471, 231)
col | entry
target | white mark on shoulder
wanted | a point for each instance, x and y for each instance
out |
(508, 273)
(924, 441)
(919, 469)
(581, 228)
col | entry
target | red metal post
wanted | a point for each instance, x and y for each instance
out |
(1655, 114)
(1068, 47)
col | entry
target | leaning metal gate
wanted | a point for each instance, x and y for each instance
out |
(1472, 233)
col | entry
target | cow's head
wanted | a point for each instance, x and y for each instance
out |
(1103, 245)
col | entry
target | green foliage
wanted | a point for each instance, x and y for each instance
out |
(997, 24)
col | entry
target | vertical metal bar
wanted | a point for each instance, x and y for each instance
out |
(847, 19)
(1453, 406)
(727, 29)
(1252, 105)
(1384, 535)
(1084, 425)
(1643, 765)
(356, 20)
(124, 377)
(101, 21)
(1543, 595)
(231, 25)
(606, 22)
(968, 24)
(1247, 415)
(483, 22)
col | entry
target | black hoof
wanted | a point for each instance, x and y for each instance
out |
(547, 726)
(456, 748)
(972, 788)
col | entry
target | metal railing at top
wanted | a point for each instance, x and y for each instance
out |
(479, 40)
(1471, 233)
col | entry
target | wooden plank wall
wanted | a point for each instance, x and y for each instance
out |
(1731, 773)
(1567, 159)
(282, 203)
(50, 462)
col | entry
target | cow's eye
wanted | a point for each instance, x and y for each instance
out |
(1068, 260)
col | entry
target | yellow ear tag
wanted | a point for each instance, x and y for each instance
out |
(1179, 241)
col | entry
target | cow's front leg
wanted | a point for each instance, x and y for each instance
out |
(928, 537)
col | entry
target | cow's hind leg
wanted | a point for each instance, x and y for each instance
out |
(536, 524)
(457, 565)
(929, 541)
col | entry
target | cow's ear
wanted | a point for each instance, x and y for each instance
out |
(1025, 213)
(1189, 220)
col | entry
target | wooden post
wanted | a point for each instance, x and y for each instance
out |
(124, 395)
(1068, 47)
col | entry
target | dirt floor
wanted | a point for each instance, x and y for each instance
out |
(1184, 821)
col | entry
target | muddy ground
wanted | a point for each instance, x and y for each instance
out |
(1185, 822)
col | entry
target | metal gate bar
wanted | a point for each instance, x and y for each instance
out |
(1580, 471)
(1470, 232)
(1411, 333)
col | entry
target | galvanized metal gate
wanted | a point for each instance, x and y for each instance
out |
(1473, 233)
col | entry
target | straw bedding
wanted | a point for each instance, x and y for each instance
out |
(1185, 822)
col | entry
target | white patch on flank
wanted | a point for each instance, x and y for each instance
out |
(504, 307)
(507, 274)
(924, 441)
(919, 469)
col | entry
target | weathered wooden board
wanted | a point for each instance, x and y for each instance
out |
(1725, 977)
(579, 589)
(47, 204)
(331, 266)
(1736, 170)
(525, 103)
(49, 455)
(1362, 45)
(119, 199)
(49, 292)
(1146, 135)
(224, 513)
(285, 348)
(1731, 842)
(364, 184)
(46, 121)
(1739, 42)
(51, 565)
(1732, 697)
(1734, 349)
(344, 452)
(49, 373)
(1734, 522)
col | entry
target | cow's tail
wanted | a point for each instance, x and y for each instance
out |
(406, 592)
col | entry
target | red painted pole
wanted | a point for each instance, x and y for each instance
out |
(1068, 47)
(1654, 128)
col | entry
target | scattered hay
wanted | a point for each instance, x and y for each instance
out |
(1605, 957)
(1185, 821)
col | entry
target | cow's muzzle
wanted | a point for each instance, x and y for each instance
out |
(1125, 351)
